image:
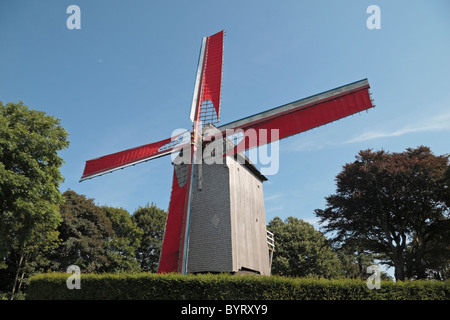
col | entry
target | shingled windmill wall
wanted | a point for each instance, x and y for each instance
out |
(228, 225)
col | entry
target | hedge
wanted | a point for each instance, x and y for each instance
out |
(150, 286)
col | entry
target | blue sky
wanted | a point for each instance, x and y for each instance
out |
(126, 79)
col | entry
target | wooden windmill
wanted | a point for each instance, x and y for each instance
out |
(216, 219)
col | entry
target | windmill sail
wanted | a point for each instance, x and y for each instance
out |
(119, 160)
(300, 115)
(208, 83)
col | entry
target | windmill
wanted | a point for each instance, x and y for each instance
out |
(230, 234)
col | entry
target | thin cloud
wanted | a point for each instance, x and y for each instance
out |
(273, 197)
(439, 123)
(304, 143)
(313, 220)
(307, 145)
(273, 209)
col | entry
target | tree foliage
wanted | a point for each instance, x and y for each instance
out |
(29, 171)
(394, 205)
(151, 220)
(29, 179)
(301, 251)
(84, 231)
(122, 245)
(107, 239)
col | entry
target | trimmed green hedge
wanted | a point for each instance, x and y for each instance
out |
(151, 286)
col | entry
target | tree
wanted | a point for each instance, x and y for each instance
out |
(355, 261)
(301, 251)
(122, 246)
(84, 231)
(25, 261)
(394, 205)
(107, 239)
(151, 220)
(29, 181)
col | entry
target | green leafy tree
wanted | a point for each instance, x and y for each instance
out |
(394, 205)
(84, 231)
(151, 220)
(355, 260)
(22, 262)
(29, 179)
(122, 246)
(301, 251)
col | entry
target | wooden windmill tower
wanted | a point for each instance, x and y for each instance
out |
(216, 220)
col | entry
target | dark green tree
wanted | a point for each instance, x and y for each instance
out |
(85, 231)
(29, 179)
(393, 205)
(151, 220)
(301, 251)
(355, 261)
(122, 246)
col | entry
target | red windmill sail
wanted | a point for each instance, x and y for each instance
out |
(122, 159)
(212, 77)
(301, 115)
